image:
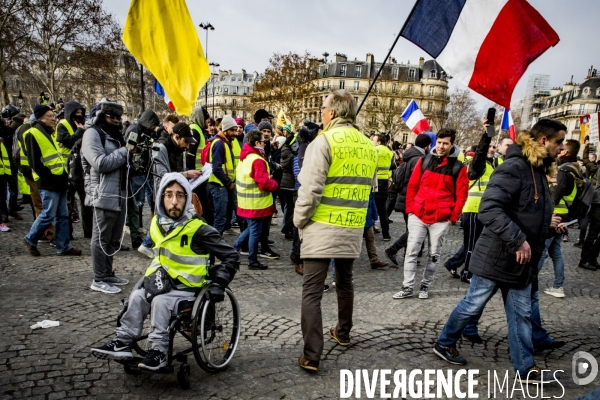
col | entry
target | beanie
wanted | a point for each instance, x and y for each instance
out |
(111, 107)
(423, 140)
(39, 110)
(240, 121)
(227, 123)
(288, 128)
(265, 125)
(280, 140)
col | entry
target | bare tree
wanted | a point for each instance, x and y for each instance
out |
(287, 82)
(385, 106)
(14, 37)
(464, 117)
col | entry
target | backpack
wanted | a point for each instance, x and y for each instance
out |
(76, 171)
(398, 178)
(582, 202)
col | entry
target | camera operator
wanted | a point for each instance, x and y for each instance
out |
(146, 125)
(104, 158)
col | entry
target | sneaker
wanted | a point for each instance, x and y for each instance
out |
(4, 228)
(556, 292)
(147, 251)
(449, 354)
(586, 265)
(387, 238)
(556, 344)
(244, 253)
(536, 375)
(257, 266)
(452, 271)
(475, 339)
(115, 280)
(270, 254)
(32, 249)
(154, 360)
(270, 241)
(115, 350)
(76, 220)
(326, 288)
(333, 284)
(424, 292)
(565, 238)
(465, 276)
(235, 225)
(16, 216)
(335, 337)
(52, 243)
(70, 252)
(390, 221)
(404, 293)
(391, 257)
(579, 245)
(308, 365)
(104, 287)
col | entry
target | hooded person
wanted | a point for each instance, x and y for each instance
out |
(70, 129)
(105, 156)
(198, 119)
(184, 264)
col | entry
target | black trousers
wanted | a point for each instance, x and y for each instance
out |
(380, 203)
(591, 245)
(288, 203)
(391, 203)
(472, 229)
(264, 235)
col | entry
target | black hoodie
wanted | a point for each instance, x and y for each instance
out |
(62, 134)
(47, 181)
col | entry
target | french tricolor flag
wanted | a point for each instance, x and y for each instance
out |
(158, 89)
(508, 124)
(485, 44)
(414, 118)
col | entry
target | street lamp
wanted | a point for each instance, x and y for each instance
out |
(206, 26)
(213, 87)
(20, 99)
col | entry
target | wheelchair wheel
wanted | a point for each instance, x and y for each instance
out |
(216, 332)
(140, 346)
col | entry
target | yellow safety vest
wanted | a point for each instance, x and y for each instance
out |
(349, 179)
(249, 196)
(23, 186)
(477, 187)
(228, 166)
(52, 158)
(236, 149)
(198, 163)
(65, 150)
(561, 207)
(384, 163)
(5, 165)
(174, 253)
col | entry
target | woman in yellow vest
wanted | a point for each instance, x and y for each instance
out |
(385, 157)
(4, 175)
(254, 188)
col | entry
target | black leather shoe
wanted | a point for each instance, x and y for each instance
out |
(476, 339)
(587, 265)
(557, 344)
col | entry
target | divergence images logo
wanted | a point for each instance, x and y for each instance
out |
(584, 364)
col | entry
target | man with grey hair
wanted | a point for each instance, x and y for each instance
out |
(330, 213)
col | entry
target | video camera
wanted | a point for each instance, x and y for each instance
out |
(145, 150)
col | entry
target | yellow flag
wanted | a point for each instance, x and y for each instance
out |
(583, 128)
(282, 119)
(161, 35)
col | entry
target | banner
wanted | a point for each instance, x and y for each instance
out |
(593, 132)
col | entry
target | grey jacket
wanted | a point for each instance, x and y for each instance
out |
(105, 164)
(161, 166)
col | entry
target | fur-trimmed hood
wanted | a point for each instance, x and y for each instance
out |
(526, 147)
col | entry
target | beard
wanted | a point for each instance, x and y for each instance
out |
(174, 212)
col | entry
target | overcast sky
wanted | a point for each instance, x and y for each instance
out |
(248, 32)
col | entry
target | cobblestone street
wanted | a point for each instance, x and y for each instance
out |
(56, 363)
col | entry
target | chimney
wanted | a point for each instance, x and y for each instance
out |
(421, 61)
(370, 58)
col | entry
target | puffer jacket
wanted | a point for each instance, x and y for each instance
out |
(433, 193)
(411, 156)
(103, 183)
(287, 163)
(511, 215)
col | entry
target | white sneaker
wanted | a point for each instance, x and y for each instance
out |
(556, 292)
(4, 228)
(146, 251)
(424, 293)
(104, 287)
(126, 229)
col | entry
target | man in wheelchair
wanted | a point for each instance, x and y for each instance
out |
(184, 244)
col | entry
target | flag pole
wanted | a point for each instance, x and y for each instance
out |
(386, 58)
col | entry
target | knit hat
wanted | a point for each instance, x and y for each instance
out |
(240, 122)
(423, 140)
(265, 125)
(111, 107)
(227, 123)
(39, 110)
(182, 129)
(288, 128)
(280, 140)
(262, 113)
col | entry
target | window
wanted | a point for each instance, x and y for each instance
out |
(235, 90)
(342, 84)
(245, 90)
(405, 137)
(377, 87)
(394, 88)
(433, 73)
(356, 86)
(356, 99)
(373, 120)
(597, 92)
(431, 91)
(375, 103)
(577, 124)
(244, 102)
(576, 92)
(343, 70)
(328, 85)
(586, 91)
(582, 109)
(226, 89)
(392, 103)
(410, 89)
(233, 113)
(411, 74)
(358, 71)
(429, 106)
(325, 71)
(234, 102)
(395, 73)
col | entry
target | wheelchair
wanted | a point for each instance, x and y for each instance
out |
(212, 329)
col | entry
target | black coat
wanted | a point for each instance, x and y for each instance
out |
(411, 156)
(288, 152)
(511, 215)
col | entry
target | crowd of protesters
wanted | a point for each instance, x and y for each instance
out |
(324, 187)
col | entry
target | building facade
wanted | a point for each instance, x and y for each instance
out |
(228, 93)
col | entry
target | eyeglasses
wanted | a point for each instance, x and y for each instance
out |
(115, 117)
(180, 196)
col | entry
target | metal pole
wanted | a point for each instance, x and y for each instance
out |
(142, 85)
(206, 87)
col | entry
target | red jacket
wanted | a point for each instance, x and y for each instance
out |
(431, 195)
(260, 174)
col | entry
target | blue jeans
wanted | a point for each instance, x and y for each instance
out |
(250, 238)
(220, 198)
(54, 209)
(136, 188)
(539, 334)
(517, 305)
(553, 249)
(149, 194)
(147, 242)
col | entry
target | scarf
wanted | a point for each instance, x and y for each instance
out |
(260, 150)
(167, 224)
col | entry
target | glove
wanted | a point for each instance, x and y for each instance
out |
(465, 276)
(216, 293)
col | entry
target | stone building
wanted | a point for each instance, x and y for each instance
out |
(228, 93)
